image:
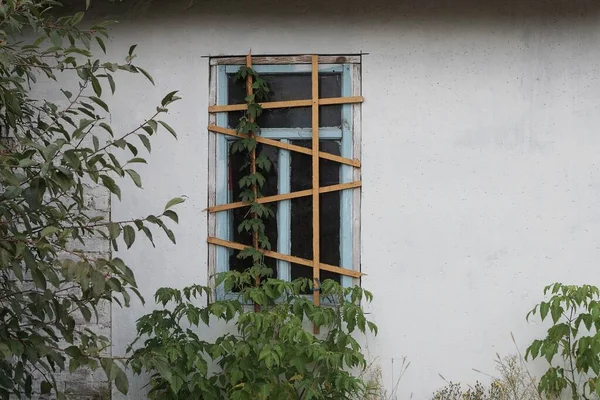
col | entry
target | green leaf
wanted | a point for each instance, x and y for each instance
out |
(101, 44)
(127, 273)
(34, 194)
(110, 368)
(169, 98)
(174, 202)
(114, 230)
(49, 230)
(86, 313)
(544, 308)
(121, 382)
(111, 83)
(372, 327)
(146, 74)
(99, 102)
(549, 351)
(110, 184)
(132, 148)
(83, 72)
(77, 18)
(534, 349)
(98, 283)
(11, 178)
(145, 142)
(556, 310)
(148, 234)
(171, 214)
(38, 278)
(170, 235)
(96, 86)
(55, 38)
(135, 177)
(152, 124)
(106, 127)
(45, 387)
(167, 127)
(128, 235)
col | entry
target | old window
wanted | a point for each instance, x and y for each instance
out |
(291, 231)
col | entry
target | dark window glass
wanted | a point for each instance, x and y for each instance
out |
(301, 234)
(238, 168)
(290, 87)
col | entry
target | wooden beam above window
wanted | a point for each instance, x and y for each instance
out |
(289, 59)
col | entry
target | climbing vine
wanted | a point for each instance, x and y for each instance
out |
(252, 183)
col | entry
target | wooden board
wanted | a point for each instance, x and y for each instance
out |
(212, 180)
(357, 174)
(285, 146)
(285, 257)
(316, 223)
(285, 196)
(286, 59)
(289, 104)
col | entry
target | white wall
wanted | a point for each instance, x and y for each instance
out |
(481, 176)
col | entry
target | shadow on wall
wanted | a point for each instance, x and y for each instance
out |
(370, 10)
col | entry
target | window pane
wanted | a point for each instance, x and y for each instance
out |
(290, 87)
(301, 218)
(239, 167)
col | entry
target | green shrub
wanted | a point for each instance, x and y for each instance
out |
(268, 355)
(572, 344)
(55, 157)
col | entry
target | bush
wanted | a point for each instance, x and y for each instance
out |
(52, 156)
(269, 355)
(573, 338)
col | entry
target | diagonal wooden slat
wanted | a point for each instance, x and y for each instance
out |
(285, 257)
(285, 196)
(285, 146)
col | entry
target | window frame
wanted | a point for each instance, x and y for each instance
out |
(349, 135)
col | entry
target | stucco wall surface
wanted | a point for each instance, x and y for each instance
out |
(481, 179)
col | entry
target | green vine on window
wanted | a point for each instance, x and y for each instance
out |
(252, 183)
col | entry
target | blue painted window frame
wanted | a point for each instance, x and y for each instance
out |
(345, 134)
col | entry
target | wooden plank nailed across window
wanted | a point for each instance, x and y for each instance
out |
(285, 146)
(285, 257)
(286, 196)
(289, 104)
(316, 223)
(286, 59)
